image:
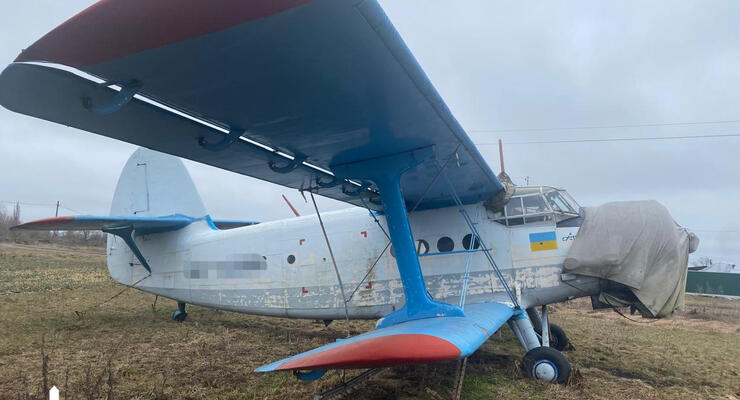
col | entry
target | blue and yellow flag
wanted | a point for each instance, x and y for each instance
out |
(543, 241)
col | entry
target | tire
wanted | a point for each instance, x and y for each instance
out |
(179, 316)
(547, 364)
(558, 339)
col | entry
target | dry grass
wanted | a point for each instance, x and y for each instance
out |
(128, 350)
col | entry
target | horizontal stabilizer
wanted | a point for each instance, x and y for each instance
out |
(416, 341)
(140, 225)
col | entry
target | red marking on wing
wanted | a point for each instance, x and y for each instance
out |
(364, 233)
(379, 352)
(300, 242)
(42, 221)
(112, 29)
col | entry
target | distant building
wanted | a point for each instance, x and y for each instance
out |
(706, 264)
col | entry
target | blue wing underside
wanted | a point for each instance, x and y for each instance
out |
(329, 82)
(279, 90)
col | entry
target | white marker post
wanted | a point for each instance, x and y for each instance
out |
(53, 393)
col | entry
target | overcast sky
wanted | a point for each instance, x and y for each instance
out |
(499, 65)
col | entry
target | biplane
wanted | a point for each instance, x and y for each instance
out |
(321, 96)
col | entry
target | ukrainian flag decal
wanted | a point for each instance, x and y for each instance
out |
(543, 241)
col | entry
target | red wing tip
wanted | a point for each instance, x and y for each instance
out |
(378, 352)
(42, 221)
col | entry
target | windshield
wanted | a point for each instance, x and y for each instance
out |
(534, 204)
(571, 201)
(558, 203)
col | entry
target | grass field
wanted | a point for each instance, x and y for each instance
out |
(128, 349)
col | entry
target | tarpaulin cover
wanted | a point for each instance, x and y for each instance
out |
(639, 245)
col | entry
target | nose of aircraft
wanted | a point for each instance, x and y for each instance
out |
(638, 246)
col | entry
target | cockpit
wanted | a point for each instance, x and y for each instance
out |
(532, 204)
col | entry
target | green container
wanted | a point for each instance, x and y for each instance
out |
(713, 283)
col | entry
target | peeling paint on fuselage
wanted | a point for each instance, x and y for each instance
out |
(283, 267)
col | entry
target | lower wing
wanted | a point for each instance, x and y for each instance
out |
(416, 341)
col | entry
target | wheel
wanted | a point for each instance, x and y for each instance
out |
(179, 316)
(558, 338)
(546, 364)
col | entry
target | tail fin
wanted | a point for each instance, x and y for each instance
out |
(155, 184)
(154, 195)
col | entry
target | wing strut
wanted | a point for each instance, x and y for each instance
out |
(476, 235)
(386, 173)
(333, 261)
(127, 234)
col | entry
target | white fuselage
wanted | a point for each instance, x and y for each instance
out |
(283, 268)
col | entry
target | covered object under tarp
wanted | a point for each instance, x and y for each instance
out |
(636, 244)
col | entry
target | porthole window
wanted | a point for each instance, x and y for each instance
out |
(466, 242)
(291, 259)
(445, 244)
(422, 247)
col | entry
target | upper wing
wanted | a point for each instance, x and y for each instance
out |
(415, 341)
(322, 82)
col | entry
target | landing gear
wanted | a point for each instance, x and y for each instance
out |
(180, 314)
(558, 340)
(541, 361)
(546, 364)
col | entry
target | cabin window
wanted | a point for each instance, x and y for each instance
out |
(291, 259)
(466, 242)
(445, 244)
(422, 246)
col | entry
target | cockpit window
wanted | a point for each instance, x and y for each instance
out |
(558, 203)
(534, 204)
(571, 201)
(514, 207)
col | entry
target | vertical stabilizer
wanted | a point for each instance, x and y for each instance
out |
(155, 184)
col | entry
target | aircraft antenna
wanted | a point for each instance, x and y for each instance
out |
(501, 155)
(291, 207)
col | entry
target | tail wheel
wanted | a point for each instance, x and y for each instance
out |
(546, 364)
(558, 339)
(179, 316)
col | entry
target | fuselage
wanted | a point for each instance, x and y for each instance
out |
(283, 268)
